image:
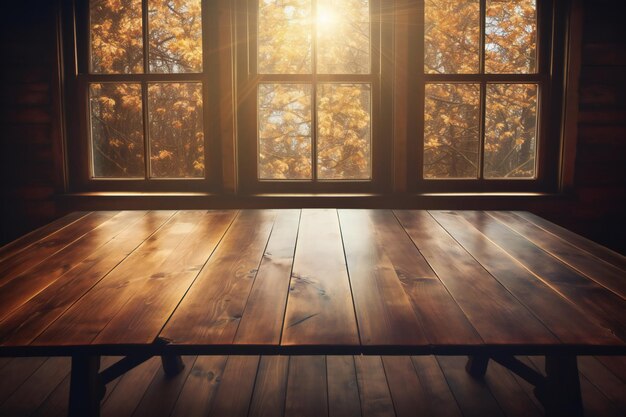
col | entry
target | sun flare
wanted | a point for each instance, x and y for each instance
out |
(326, 18)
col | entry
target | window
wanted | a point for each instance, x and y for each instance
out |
(309, 95)
(483, 96)
(314, 96)
(142, 74)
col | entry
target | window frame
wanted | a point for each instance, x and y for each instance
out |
(77, 77)
(248, 81)
(549, 77)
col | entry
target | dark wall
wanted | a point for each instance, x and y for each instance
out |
(31, 125)
(28, 116)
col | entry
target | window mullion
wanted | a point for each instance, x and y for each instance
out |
(144, 89)
(314, 92)
(483, 90)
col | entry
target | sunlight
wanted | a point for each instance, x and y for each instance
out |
(327, 18)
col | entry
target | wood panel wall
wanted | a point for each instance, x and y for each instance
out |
(28, 116)
(31, 125)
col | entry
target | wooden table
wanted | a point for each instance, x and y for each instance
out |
(489, 285)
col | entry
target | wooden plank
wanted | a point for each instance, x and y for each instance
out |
(343, 390)
(472, 395)
(615, 364)
(200, 387)
(26, 241)
(563, 319)
(84, 320)
(212, 308)
(162, 393)
(593, 299)
(123, 399)
(142, 317)
(56, 404)
(270, 387)
(306, 387)
(431, 300)
(510, 396)
(435, 386)
(603, 273)
(12, 267)
(26, 285)
(408, 396)
(595, 404)
(603, 379)
(580, 242)
(235, 390)
(497, 316)
(373, 389)
(15, 373)
(32, 393)
(319, 307)
(384, 312)
(30, 319)
(262, 319)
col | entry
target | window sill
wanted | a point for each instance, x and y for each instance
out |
(195, 200)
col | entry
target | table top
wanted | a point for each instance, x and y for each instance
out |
(312, 281)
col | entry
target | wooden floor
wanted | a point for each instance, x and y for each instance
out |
(303, 386)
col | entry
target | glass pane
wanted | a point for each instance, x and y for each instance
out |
(451, 36)
(511, 36)
(175, 35)
(343, 36)
(284, 37)
(116, 130)
(284, 131)
(451, 130)
(511, 131)
(116, 36)
(343, 130)
(176, 130)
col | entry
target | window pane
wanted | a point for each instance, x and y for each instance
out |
(451, 126)
(343, 36)
(175, 35)
(284, 131)
(511, 130)
(343, 130)
(116, 130)
(176, 130)
(116, 36)
(511, 36)
(451, 36)
(284, 37)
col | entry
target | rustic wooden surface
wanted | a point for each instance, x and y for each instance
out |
(315, 281)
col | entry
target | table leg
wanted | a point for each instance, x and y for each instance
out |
(561, 395)
(476, 365)
(172, 365)
(86, 390)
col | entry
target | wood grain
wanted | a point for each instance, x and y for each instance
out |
(580, 242)
(373, 389)
(319, 307)
(270, 387)
(435, 386)
(384, 312)
(489, 307)
(603, 273)
(24, 242)
(211, 311)
(263, 317)
(562, 317)
(408, 395)
(30, 319)
(306, 387)
(235, 390)
(596, 301)
(84, 320)
(42, 249)
(142, 317)
(431, 300)
(343, 391)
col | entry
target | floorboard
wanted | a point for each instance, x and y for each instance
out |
(305, 385)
